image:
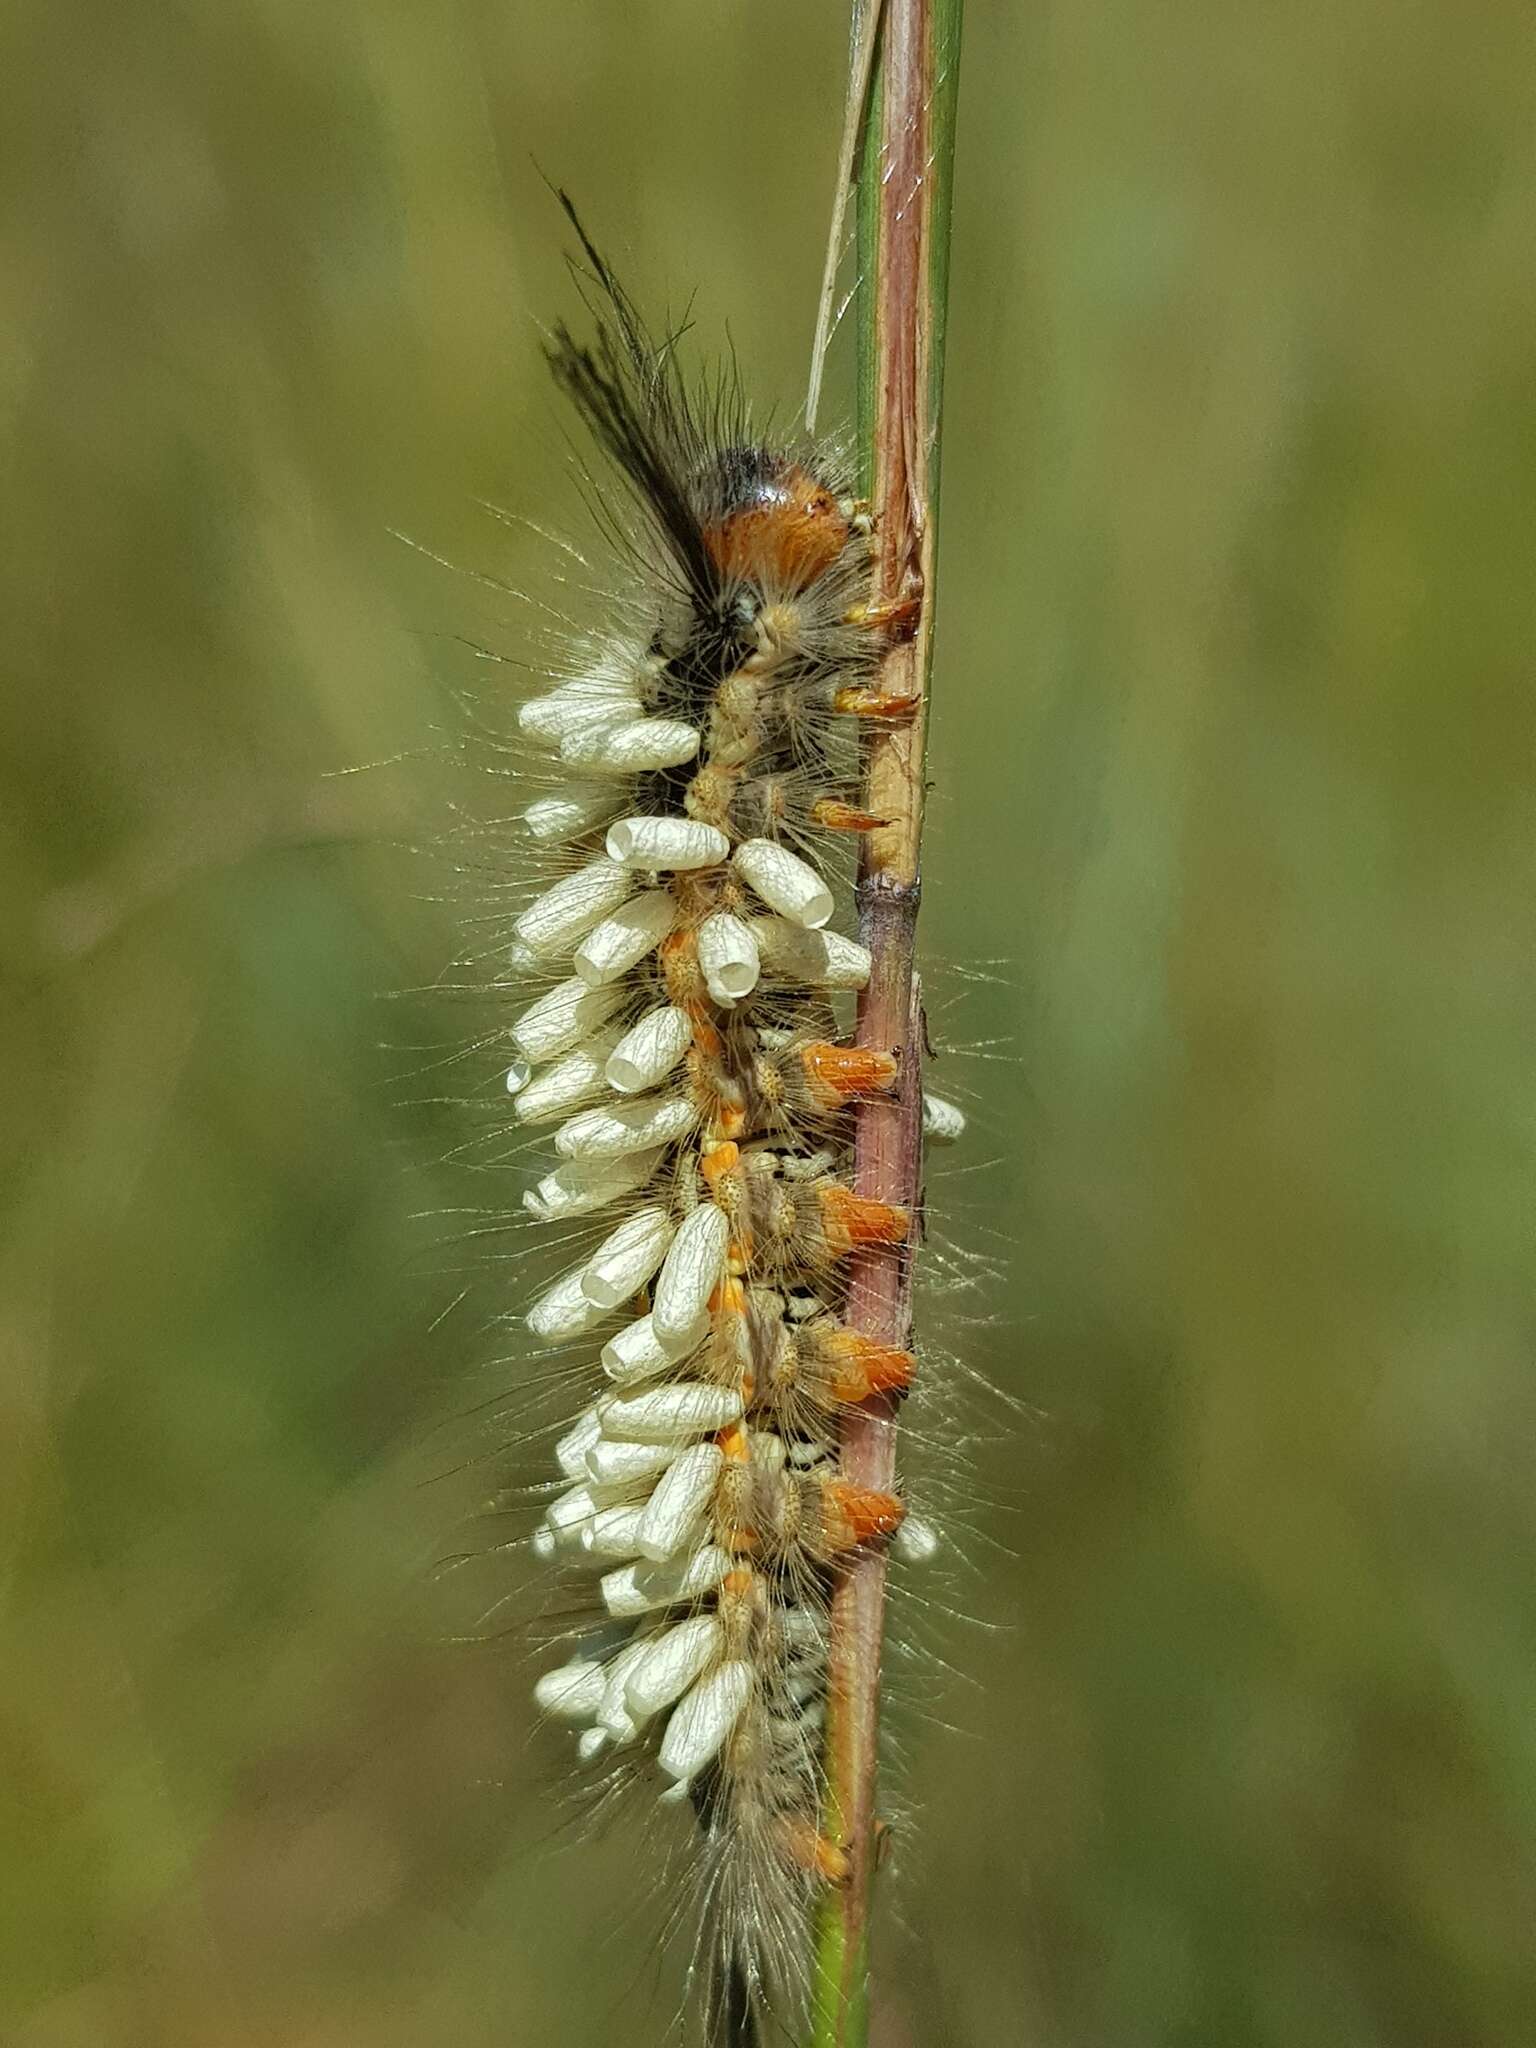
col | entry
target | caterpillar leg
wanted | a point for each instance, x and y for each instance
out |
(861, 701)
(896, 617)
(834, 816)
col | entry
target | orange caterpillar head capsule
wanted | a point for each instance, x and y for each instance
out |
(778, 526)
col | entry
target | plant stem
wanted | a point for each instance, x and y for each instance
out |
(905, 179)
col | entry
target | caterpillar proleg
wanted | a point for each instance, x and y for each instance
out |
(703, 801)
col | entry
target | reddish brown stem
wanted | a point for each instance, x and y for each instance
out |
(888, 1142)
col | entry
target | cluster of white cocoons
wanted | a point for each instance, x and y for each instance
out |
(643, 1470)
(602, 1055)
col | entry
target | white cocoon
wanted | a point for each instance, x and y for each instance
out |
(821, 959)
(767, 1451)
(727, 957)
(794, 1735)
(683, 1492)
(670, 1415)
(518, 1076)
(666, 843)
(566, 812)
(563, 1312)
(574, 1692)
(688, 1278)
(803, 1628)
(567, 1515)
(629, 746)
(611, 1132)
(612, 1533)
(616, 1464)
(803, 1685)
(574, 1189)
(671, 1664)
(613, 1715)
(561, 1019)
(621, 941)
(704, 1718)
(627, 1258)
(943, 1121)
(577, 1077)
(572, 906)
(634, 1353)
(805, 1455)
(571, 1451)
(649, 1050)
(574, 705)
(637, 1588)
(786, 883)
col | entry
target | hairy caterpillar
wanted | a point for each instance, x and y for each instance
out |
(687, 1044)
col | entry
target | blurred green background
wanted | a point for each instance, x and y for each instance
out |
(1233, 784)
